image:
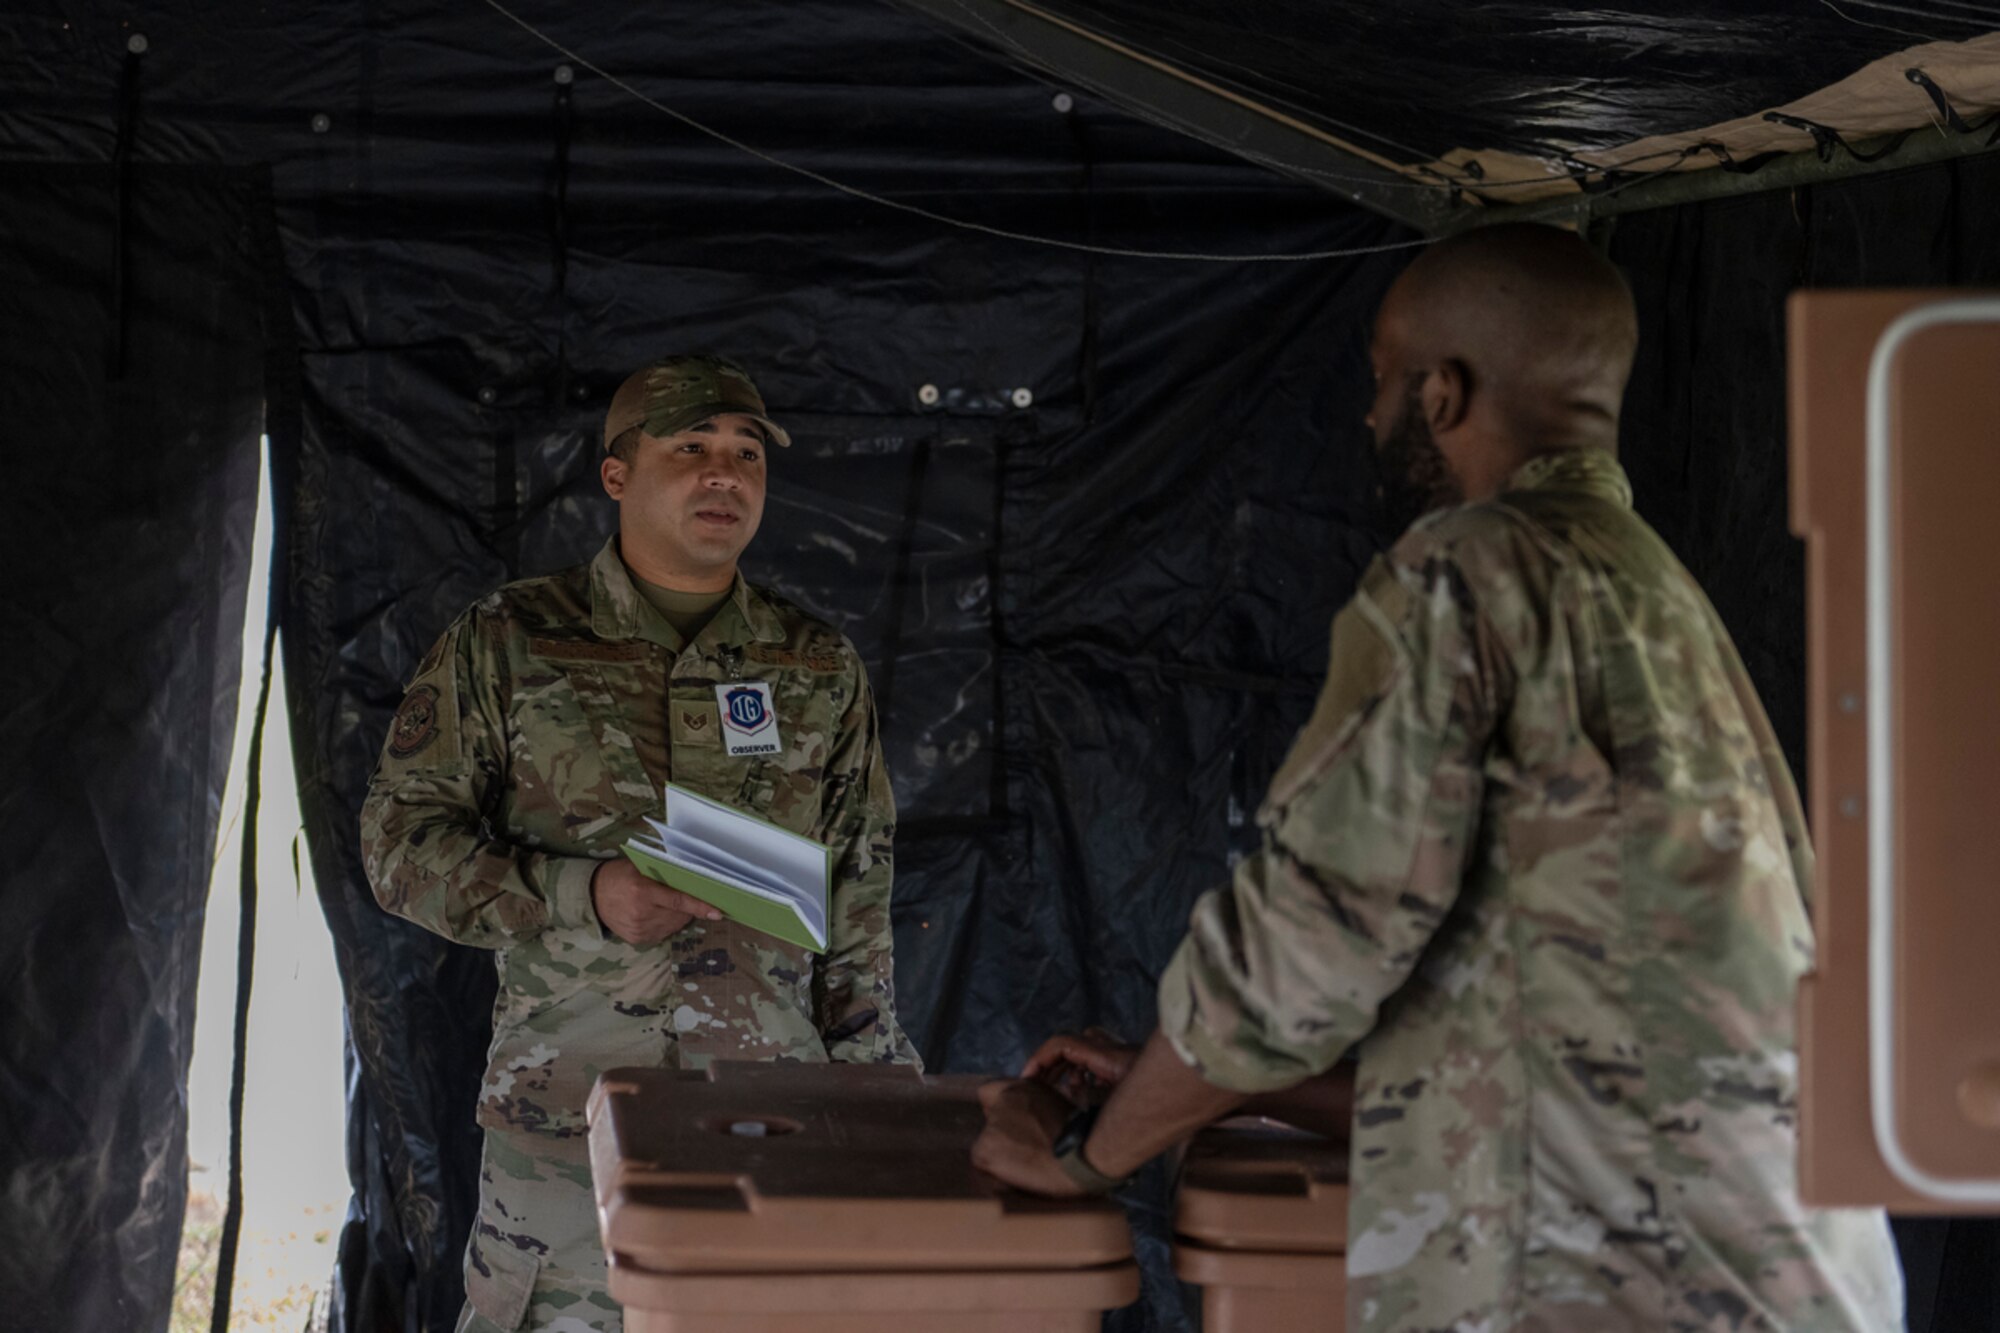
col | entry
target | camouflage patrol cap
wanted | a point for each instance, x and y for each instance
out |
(676, 392)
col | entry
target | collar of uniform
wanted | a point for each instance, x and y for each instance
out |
(617, 611)
(1577, 469)
(745, 618)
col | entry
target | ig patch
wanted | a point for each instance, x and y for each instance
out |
(749, 719)
(416, 724)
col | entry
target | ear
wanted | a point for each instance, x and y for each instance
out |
(612, 472)
(1447, 395)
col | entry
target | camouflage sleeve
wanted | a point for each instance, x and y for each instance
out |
(1777, 771)
(1365, 834)
(427, 831)
(854, 985)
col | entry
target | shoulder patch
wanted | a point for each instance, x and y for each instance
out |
(416, 723)
(424, 733)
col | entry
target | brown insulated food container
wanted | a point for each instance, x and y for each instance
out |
(1895, 409)
(1262, 1229)
(751, 1197)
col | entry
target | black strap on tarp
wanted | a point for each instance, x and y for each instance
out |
(1949, 113)
(1086, 352)
(1828, 141)
(121, 162)
(246, 952)
(563, 128)
(899, 577)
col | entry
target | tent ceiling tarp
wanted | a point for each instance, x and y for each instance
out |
(1434, 113)
(1439, 113)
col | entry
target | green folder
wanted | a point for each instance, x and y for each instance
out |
(766, 877)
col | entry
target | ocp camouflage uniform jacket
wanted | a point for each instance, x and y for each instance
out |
(535, 738)
(1537, 852)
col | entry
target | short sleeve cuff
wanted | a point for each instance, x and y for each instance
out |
(566, 888)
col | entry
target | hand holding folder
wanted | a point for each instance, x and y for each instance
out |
(764, 876)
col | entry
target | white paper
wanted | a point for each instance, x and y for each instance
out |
(752, 854)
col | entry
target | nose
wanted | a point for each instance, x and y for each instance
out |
(721, 473)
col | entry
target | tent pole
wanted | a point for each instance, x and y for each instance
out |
(1179, 100)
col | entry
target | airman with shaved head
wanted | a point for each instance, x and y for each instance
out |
(1508, 343)
(1535, 862)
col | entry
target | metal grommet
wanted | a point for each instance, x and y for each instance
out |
(1063, 103)
(321, 122)
(487, 395)
(1850, 702)
(137, 43)
(1850, 807)
(565, 75)
(1023, 397)
(928, 395)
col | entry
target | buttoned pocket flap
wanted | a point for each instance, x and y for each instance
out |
(499, 1279)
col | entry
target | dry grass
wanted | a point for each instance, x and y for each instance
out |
(280, 1278)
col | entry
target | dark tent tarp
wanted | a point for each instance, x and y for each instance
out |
(1092, 578)
(133, 409)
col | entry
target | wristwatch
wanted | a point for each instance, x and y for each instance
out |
(1068, 1149)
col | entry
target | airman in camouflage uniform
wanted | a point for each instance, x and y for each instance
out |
(532, 742)
(1538, 853)
(1537, 860)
